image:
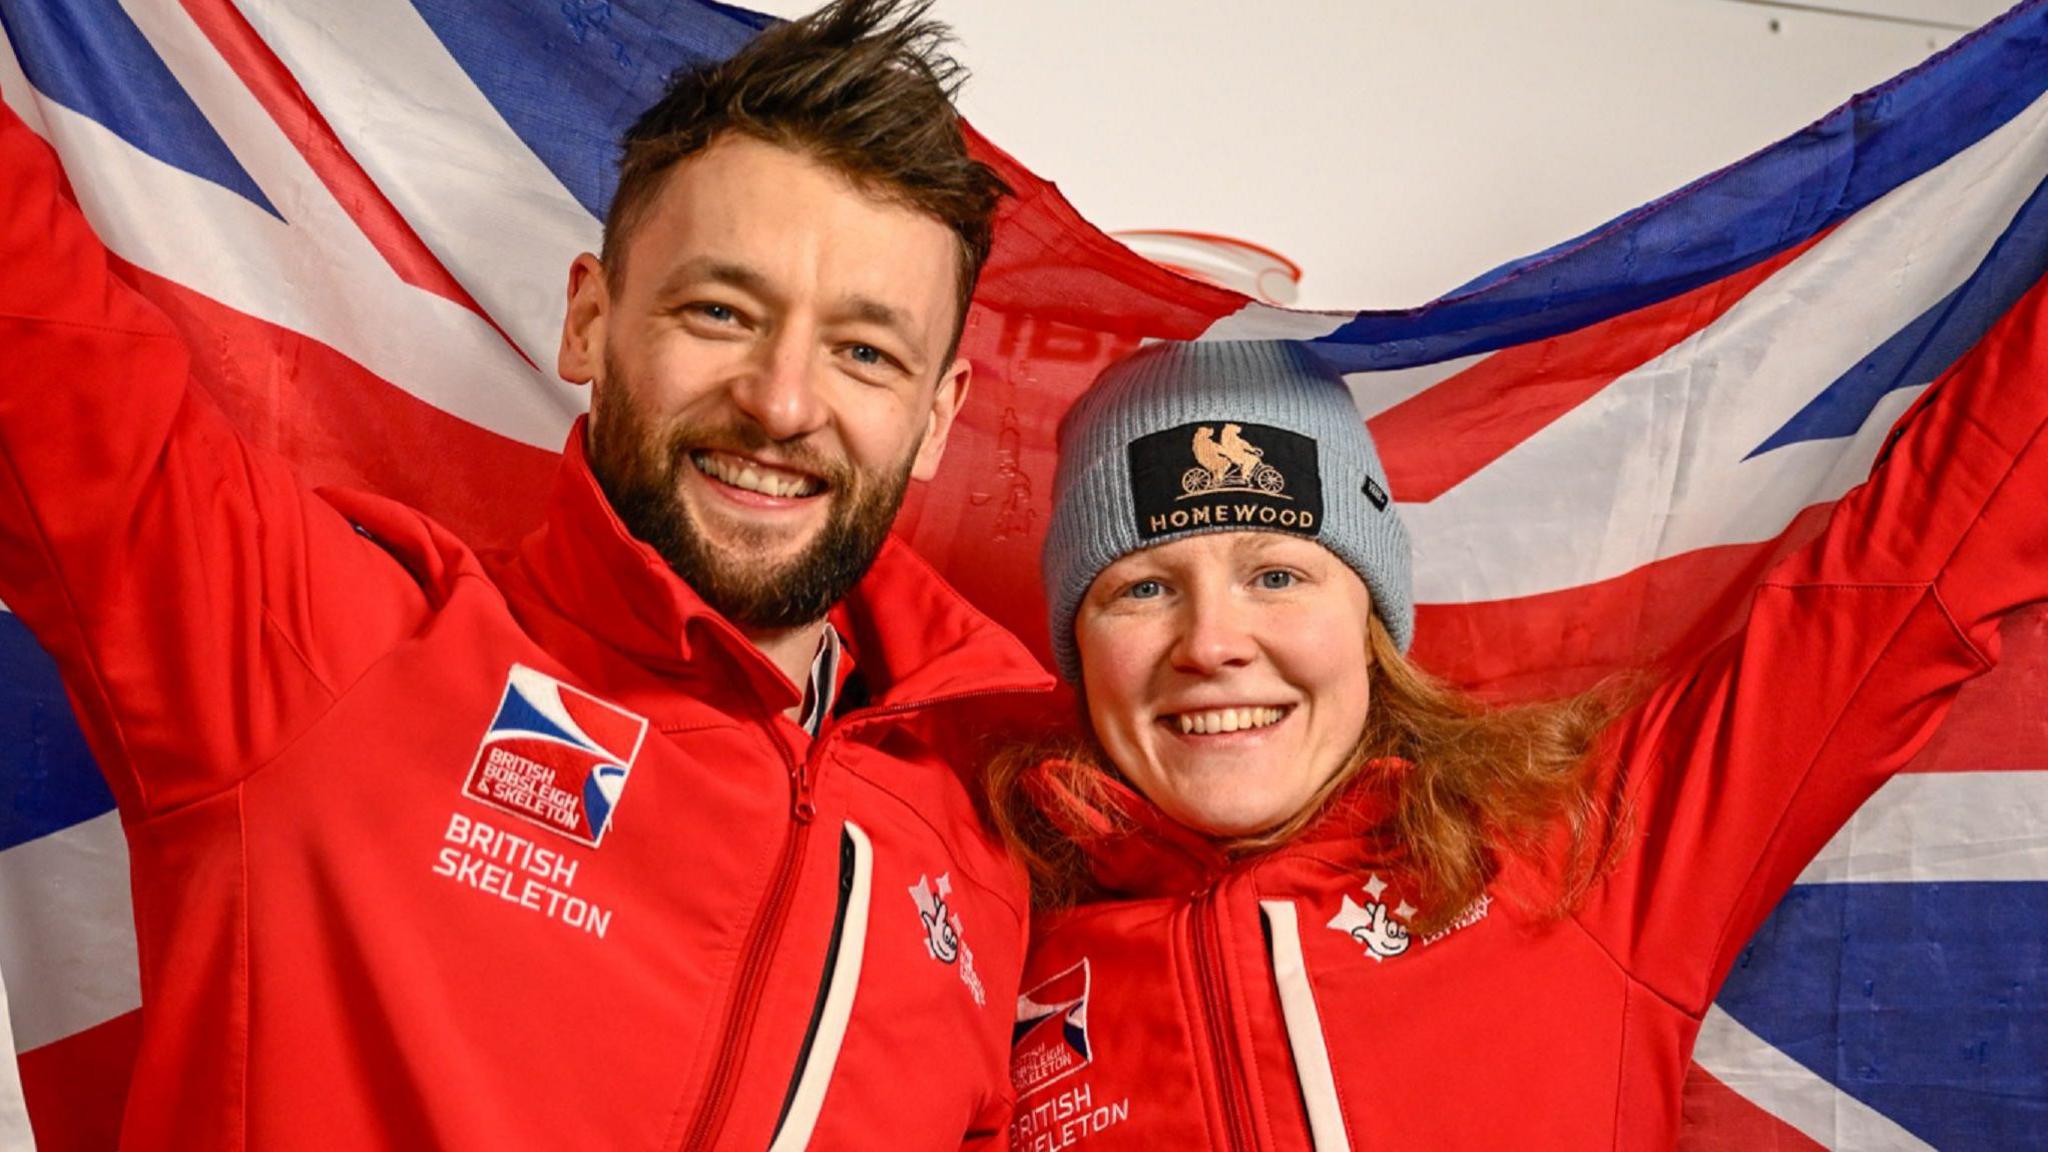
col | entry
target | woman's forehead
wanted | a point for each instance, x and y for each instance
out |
(1228, 545)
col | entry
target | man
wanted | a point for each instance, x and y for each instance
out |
(650, 833)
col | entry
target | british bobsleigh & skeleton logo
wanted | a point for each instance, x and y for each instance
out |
(1050, 1041)
(556, 756)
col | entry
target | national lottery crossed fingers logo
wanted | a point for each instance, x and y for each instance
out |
(556, 756)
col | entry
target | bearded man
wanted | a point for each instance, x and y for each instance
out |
(650, 833)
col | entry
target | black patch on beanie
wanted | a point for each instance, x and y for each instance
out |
(1225, 474)
(1376, 494)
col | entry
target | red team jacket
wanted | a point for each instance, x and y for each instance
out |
(1279, 1002)
(430, 852)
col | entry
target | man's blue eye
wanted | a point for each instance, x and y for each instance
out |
(1275, 579)
(718, 312)
(866, 354)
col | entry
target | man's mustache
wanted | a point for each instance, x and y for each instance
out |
(747, 439)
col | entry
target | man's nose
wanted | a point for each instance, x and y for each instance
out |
(782, 390)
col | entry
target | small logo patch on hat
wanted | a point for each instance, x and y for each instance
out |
(1225, 475)
(1376, 494)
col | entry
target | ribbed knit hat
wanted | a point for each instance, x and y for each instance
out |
(1180, 439)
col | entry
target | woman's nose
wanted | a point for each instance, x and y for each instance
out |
(1215, 633)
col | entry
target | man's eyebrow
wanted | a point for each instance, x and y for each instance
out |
(710, 269)
(868, 310)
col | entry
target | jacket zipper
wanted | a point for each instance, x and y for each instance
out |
(825, 977)
(1205, 933)
(837, 987)
(768, 925)
(739, 1018)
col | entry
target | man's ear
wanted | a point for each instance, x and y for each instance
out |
(581, 355)
(946, 401)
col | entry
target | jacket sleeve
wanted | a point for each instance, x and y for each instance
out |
(1737, 773)
(200, 604)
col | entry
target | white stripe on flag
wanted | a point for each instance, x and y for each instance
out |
(1258, 321)
(1654, 466)
(67, 932)
(316, 274)
(1375, 392)
(15, 89)
(456, 170)
(1943, 826)
(15, 1134)
(1788, 1090)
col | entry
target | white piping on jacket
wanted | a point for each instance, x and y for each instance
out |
(845, 981)
(1304, 1029)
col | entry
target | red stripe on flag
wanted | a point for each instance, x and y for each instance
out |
(275, 88)
(341, 424)
(75, 1087)
(1716, 1118)
(1058, 302)
(1052, 264)
(1658, 615)
(1437, 439)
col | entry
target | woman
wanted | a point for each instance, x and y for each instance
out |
(1299, 895)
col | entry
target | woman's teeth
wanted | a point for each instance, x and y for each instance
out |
(753, 477)
(1219, 720)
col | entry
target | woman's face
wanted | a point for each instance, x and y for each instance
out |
(1226, 674)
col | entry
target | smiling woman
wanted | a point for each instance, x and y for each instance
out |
(1241, 646)
(1288, 877)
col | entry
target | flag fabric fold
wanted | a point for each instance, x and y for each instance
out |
(359, 220)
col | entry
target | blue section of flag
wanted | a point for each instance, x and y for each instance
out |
(1731, 220)
(518, 714)
(48, 776)
(90, 57)
(1923, 350)
(569, 76)
(1925, 1001)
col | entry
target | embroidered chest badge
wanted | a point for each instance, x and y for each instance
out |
(1051, 1038)
(556, 756)
(942, 931)
(1383, 930)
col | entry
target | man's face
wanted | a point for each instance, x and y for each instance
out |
(769, 373)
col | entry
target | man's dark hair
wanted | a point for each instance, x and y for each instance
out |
(864, 87)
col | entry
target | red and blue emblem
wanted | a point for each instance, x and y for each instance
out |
(1051, 1039)
(556, 755)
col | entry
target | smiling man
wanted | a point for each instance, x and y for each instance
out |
(648, 833)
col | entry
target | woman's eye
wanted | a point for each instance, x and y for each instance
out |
(1145, 590)
(1276, 579)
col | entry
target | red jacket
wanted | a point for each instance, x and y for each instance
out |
(1279, 1003)
(435, 852)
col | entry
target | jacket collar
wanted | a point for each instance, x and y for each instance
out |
(917, 641)
(1139, 851)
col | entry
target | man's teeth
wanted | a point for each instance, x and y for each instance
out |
(1218, 720)
(754, 477)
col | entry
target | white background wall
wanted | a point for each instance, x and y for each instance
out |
(1396, 148)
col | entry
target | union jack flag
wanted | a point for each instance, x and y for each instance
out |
(360, 215)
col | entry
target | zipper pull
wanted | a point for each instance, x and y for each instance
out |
(800, 803)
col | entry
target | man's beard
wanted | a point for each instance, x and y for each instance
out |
(640, 470)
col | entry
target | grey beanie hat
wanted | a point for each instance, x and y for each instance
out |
(1180, 439)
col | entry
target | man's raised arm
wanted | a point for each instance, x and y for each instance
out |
(167, 566)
